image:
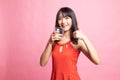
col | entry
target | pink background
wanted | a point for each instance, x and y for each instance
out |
(25, 26)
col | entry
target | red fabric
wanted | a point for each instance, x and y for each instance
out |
(64, 64)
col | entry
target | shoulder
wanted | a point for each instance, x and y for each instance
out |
(76, 46)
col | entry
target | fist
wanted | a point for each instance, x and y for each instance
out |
(78, 34)
(55, 36)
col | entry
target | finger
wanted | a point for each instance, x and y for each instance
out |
(56, 37)
(81, 30)
(60, 35)
(74, 34)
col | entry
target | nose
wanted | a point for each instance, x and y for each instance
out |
(63, 20)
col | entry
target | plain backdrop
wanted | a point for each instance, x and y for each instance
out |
(25, 27)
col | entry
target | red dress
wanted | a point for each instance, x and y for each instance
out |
(64, 62)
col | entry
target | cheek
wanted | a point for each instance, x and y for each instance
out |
(70, 23)
(59, 22)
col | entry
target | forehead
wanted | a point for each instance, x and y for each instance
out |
(63, 14)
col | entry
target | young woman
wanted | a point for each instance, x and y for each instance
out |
(65, 48)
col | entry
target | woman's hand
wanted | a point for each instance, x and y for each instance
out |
(86, 46)
(55, 36)
(78, 34)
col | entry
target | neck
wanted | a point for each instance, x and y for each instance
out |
(66, 37)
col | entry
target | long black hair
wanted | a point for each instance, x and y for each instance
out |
(69, 12)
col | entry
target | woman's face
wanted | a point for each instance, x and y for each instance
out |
(65, 22)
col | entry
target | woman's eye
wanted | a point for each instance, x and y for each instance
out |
(66, 17)
(59, 18)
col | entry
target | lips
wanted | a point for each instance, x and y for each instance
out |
(63, 26)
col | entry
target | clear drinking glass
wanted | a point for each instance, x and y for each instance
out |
(59, 30)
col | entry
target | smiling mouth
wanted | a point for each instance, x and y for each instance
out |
(63, 26)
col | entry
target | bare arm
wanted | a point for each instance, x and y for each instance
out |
(87, 48)
(46, 54)
(48, 50)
